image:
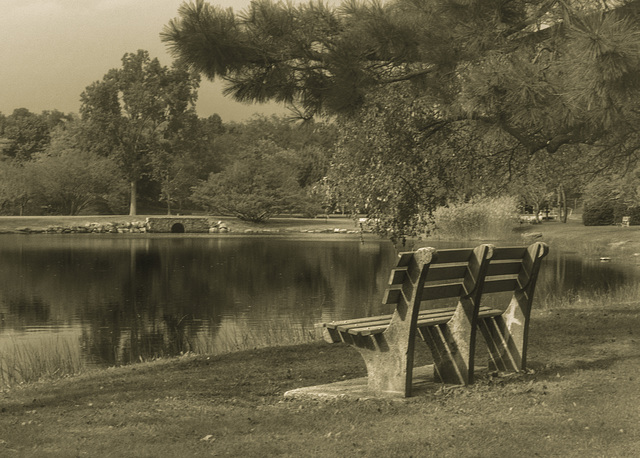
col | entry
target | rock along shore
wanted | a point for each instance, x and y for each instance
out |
(143, 227)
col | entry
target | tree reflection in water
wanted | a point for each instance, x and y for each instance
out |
(134, 297)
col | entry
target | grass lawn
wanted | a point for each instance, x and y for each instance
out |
(581, 397)
(618, 243)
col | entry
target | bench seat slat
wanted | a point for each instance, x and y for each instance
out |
(384, 320)
(424, 320)
(335, 324)
(363, 322)
(359, 322)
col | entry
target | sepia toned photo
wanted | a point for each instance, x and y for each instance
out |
(309, 228)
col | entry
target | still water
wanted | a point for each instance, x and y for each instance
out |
(123, 298)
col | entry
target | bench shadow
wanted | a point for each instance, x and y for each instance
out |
(539, 371)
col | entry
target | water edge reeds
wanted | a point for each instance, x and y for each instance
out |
(28, 360)
(245, 337)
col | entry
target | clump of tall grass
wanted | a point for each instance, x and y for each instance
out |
(29, 360)
(492, 218)
(247, 337)
(623, 296)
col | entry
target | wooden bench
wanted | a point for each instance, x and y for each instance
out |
(387, 342)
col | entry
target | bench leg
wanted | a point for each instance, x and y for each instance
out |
(389, 366)
(389, 355)
(506, 336)
(452, 346)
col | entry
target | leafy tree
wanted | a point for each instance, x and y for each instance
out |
(18, 186)
(524, 76)
(4, 143)
(533, 190)
(282, 132)
(134, 110)
(609, 197)
(71, 178)
(27, 134)
(187, 157)
(253, 188)
(397, 162)
(303, 151)
(56, 118)
(175, 166)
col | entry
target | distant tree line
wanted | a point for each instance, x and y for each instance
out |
(138, 141)
(251, 170)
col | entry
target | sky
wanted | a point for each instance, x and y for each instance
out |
(51, 50)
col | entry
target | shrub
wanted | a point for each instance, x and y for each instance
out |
(483, 217)
(253, 189)
(599, 213)
(634, 214)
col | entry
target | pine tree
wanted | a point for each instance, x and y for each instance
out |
(525, 76)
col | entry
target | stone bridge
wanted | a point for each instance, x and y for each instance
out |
(177, 224)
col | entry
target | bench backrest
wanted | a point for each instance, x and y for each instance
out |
(456, 273)
(514, 269)
(451, 273)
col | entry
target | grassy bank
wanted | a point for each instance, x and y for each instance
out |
(580, 397)
(618, 243)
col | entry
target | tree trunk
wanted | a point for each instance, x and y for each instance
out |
(133, 209)
(562, 197)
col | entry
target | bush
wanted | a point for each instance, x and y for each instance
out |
(608, 212)
(634, 214)
(253, 189)
(599, 213)
(480, 218)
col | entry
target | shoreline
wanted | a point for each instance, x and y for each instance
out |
(233, 404)
(137, 224)
(613, 243)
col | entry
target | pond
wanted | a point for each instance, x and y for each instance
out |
(114, 299)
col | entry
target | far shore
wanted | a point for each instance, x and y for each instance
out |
(611, 243)
(29, 224)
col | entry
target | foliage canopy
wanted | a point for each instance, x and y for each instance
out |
(437, 99)
(546, 72)
(137, 111)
